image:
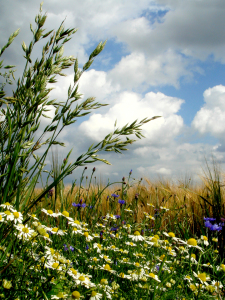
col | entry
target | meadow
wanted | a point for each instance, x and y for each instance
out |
(133, 239)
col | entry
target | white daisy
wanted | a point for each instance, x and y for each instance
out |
(49, 212)
(95, 296)
(85, 281)
(8, 215)
(7, 206)
(18, 217)
(75, 223)
(136, 236)
(24, 231)
(153, 276)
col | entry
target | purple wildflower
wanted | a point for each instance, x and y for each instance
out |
(215, 227)
(209, 219)
(50, 193)
(117, 216)
(121, 201)
(115, 196)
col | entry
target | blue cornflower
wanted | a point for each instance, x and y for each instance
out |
(209, 219)
(80, 204)
(117, 216)
(115, 195)
(215, 227)
(87, 247)
(65, 247)
(208, 224)
(71, 248)
(121, 201)
(114, 228)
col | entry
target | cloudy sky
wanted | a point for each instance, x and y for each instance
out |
(162, 57)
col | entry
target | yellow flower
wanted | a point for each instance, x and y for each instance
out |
(137, 233)
(222, 267)
(75, 295)
(192, 242)
(192, 287)
(107, 267)
(104, 281)
(81, 278)
(65, 213)
(55, 265)
(171, 234)
(7, 284)
(16, 214)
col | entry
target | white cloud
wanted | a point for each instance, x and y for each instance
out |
(211, 117)
(138, 71)
(130, 106)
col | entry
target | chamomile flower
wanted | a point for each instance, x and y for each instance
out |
(95, 296)
(57, 231)
(8, 215)
(107, 267)
(2, 217)
(150, 217)
(18, 217)
(24, 231)
(75, 223)
(131, 244)
(65, 214)
(217, 284)
(205, 240)
(76, 231)
(171, 235)
(50, 213)
(54, 265)
(164, 208)
(128, 210)
(7, 206)
(153, 276)
(106, 258)
(193, 243)
(122, 275)
(188, 278)
(60, 295)
(88, 236)
(221, 268)
(85, 281)
(33, 216)
(136, 236)
(98, 247)
(202, 277)
(150, 204)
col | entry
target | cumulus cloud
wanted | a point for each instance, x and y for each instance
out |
(211, 117)
(130, 106)
(136, 71)
(195, 28)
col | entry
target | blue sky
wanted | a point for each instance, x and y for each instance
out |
(162, 57)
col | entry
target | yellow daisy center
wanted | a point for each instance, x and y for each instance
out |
(75, 295)
(25, 230)
(202, 276)
(192, 242)
(107, 267)
(137, 233)
(16, 214)
(65, 213)
(171, 234)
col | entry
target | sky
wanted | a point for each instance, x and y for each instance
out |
(162, 58)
